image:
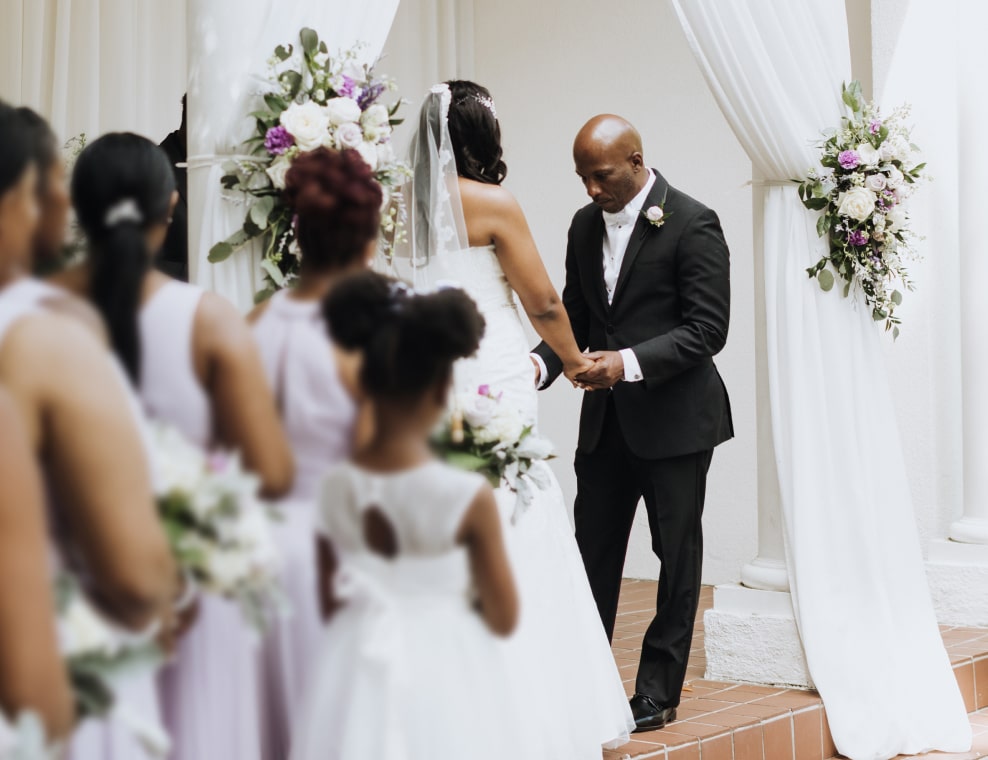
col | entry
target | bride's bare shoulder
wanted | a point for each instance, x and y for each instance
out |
(486, 199)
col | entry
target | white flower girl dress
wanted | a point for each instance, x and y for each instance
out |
(407, 670)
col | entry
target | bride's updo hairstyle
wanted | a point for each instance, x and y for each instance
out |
(409, 341)
(475, 132)
(122, 186)
(338, 206)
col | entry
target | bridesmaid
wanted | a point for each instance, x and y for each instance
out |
(194, 363)
(338, 205)
(65, 386)
(32, 675)
(53, 193)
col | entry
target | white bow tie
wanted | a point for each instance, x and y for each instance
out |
(618, 219)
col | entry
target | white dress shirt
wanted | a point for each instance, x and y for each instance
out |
(618, 227)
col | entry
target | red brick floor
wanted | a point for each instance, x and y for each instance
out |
(725, 721)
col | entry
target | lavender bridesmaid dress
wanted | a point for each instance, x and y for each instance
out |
(319, 417)
(137, 713)
(210, 691)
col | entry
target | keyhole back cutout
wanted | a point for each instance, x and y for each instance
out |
(379, 533)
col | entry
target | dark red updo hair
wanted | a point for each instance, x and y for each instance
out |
(338, 204)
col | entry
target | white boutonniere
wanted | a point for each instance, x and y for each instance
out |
(656, 215)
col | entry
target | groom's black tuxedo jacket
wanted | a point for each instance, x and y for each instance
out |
(672, 307)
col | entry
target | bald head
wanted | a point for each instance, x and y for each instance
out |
(608, 157)
(607, 133)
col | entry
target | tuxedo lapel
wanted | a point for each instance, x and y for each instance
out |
(643, 229)
(595, 257)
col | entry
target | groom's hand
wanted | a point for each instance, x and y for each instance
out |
(607, 371)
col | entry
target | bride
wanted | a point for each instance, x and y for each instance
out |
(466, 230)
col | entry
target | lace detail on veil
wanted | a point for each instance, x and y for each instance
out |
(436, 223)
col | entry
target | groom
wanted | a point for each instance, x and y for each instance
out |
(648, 292)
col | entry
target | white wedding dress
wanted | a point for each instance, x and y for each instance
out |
(560, 654)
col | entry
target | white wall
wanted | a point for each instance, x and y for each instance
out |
(551, 66)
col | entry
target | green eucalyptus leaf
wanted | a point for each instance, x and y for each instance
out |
(261, 210)
(310, 40)
(284, 52)
(272, 270)
(293, 81)
(847, 289)
(220, 252)
(826, 279)
(896, 297)
(263, 295)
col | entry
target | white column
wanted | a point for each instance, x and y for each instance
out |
(750, 634)
(768, 570)
(957, 565)
(972, 528)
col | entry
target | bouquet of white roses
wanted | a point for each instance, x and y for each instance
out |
(311, 100)
(219, 530)
(869, 170)
(97, 654)
(482, 435)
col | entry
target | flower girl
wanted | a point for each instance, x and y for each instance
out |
(415, 575)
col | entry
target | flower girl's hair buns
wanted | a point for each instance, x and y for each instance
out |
(337, 202)
(409, 340)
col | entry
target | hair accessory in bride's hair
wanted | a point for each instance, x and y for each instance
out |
(439, 89)
(125, 210)
(487, 103)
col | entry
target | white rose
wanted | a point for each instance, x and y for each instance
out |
(869, 154)
(368, 152)
(896, 177)
(376, 134)
(82, 631)
(876, 182)
(227, 569)
(307, 123)
(342, 110)
(385, 154)
(654, 214)
(349, 135)
(897, 219)
(902, 150)
(507, 427)
(478, 410)
(534, 447)
(857, 203)
(375, 116)
(278, 170)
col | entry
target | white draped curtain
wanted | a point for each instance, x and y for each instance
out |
(853, 554)
(230, 42)
(95, 65)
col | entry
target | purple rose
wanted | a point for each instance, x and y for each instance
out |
(857, 238)
(278, 140)
(348, 87)
(848, 159)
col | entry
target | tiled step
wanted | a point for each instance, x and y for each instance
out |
(724, 721)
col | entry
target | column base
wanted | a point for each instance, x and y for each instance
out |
(765, 575)
(970, 530)
(750, 635)
(958, 576)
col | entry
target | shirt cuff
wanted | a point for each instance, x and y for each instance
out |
(543, 372)
(632, 369)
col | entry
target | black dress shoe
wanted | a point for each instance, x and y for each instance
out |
(650, 715)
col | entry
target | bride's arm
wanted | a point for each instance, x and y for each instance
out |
(527, 276)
